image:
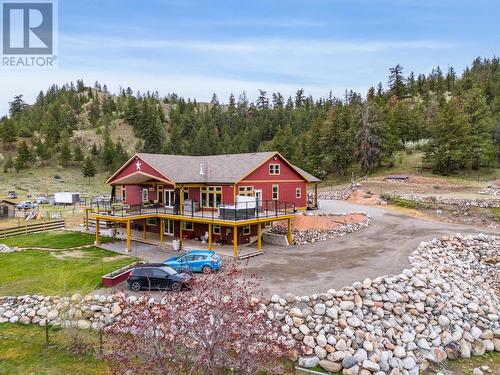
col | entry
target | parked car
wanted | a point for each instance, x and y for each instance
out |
(205, 261)
(25, 205)
(42, 200)
(12, 195)
(162, 277)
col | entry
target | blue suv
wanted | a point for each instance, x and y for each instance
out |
(205, 261)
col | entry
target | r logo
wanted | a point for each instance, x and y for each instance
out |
(27, 28)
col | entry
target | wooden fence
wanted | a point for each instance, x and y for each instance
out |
(31, 228)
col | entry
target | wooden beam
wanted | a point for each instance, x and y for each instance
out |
(316, 195)
(235, 242)
(209, 236)
(162, 229)
(97, 230)
(144, 230)
(290, 237)
(259, 236)
(129, 247)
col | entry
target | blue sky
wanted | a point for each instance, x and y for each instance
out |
(195, 48)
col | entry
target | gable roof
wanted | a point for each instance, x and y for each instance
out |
(229, 168)
(307, 176)
(8, 202)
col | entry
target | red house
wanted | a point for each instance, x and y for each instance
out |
(224, 198)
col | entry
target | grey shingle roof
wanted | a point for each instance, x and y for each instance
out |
(309, 177)
(218, 168)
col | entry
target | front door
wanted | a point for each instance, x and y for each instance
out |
(258, 197)
(169, 227)
(169, 198)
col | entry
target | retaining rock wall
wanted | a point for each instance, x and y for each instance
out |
(446, 306)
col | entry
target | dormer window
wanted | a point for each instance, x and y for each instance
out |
(274, 169)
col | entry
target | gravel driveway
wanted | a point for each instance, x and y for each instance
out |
(382, 248)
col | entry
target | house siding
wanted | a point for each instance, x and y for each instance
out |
(288, 181)
(131, 168)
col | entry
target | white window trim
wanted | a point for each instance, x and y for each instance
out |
(273, 167)
(246, 230)
(269, 224)
(277, 192)
(124, 194)
(152, 225)
(214, 227)
(298, 192)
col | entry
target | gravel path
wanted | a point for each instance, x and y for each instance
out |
(382, 248)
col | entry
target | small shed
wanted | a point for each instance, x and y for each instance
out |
(7, 209)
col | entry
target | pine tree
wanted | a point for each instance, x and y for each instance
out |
(8, 165)
(17, 105)
(396, 81)
(78, 153)
(369, 141)
(7, 132)
(88, 168)
(94, 150)
(24, 156)
(65, 152)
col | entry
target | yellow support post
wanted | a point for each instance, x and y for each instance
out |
(144, 230)
(86, 220)
(290, 237)
(181, 201)
(162, 223)
(97, 229)
(209, 236)
(180, 232)
(235, 242)
(259, 236)
(129, 247)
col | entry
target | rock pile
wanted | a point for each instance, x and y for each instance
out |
(76, 311)
(445, 306)
(301, 237)
(338, 194)
(462, 202)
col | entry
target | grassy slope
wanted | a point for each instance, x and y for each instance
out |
(411, 164)
(56, 272)
(41, 180)
(53, 240)
(23, 352)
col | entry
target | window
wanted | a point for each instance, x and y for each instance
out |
(187, 225)
(185, 195)
(211, 196)
(124, 194)
(246, 229)
(276, 192)
(158, 273)
(151, 221)
(159, 194)
(269, 224)
(216, 229)
(245, 191)
(298, 192)
(274, 169)
(145, 195)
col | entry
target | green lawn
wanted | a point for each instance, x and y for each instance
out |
(54, 240)
(23, 351)
(60, 272)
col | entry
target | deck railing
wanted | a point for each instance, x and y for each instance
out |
(192, 209)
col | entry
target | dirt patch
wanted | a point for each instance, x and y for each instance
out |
(113, 258)
(305, 222)
(363, 197)
(62, 255)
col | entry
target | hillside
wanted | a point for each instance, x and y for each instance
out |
(452, 120)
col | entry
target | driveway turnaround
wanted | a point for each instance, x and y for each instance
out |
(380, 249)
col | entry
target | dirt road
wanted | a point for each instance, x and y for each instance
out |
(382, 248)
